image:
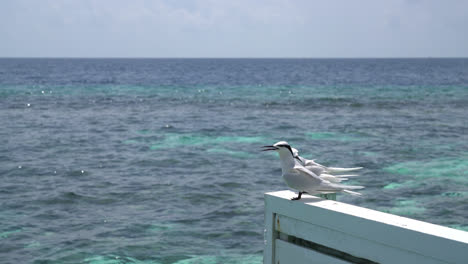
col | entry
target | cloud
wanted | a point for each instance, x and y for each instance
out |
(209, 28)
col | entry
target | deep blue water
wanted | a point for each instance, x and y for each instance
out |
(158, 161)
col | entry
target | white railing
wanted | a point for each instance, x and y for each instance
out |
(314, 230)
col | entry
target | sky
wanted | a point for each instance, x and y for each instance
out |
(235, 28)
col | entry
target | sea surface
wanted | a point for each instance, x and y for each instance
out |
(106, 161)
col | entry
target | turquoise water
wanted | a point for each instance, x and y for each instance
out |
(158, 161)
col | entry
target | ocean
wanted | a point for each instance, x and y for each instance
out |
(107, 161)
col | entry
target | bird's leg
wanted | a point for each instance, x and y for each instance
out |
(298, 197)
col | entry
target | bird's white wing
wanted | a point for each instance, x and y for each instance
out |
(303, 171)
(315, 169)
(313, 163)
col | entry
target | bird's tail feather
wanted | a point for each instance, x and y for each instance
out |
(352, 193)
(340, 176)
(333, 178)
(346, 187)
(347, 175)
(353, 187)
(334, 169)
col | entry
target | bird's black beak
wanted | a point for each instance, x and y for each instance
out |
(266, 148)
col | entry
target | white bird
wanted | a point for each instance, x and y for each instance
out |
(300, 178)
(319, 168)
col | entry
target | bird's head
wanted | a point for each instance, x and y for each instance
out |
(280, 147)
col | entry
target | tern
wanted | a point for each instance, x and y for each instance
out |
(300, 178)
(319, 168)
(323, 171)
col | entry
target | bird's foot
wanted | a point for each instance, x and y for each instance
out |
(298, 197)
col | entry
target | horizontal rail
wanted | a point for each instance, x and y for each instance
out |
(355, 234)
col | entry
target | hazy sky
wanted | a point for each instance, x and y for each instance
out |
(235, 28)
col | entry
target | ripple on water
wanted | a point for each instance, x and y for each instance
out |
(395, 185)
(233, 153)
(229, 259)
(460, 227)
(68, 197)
(175, 140)
(452, 169)
(407, 208)
(332, 136)
(114, 259)
(455, 194)
(10, 233)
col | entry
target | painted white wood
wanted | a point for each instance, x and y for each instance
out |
(366, 233)
(290, 253)
(356, 246)
(270, 234)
